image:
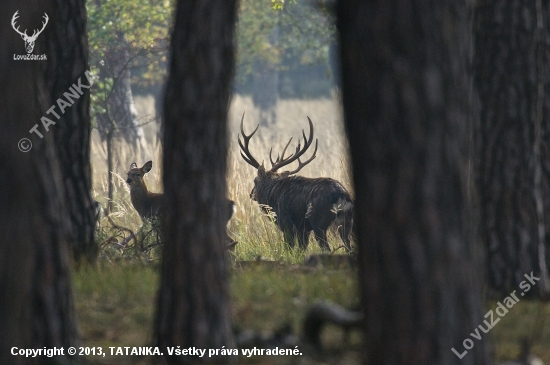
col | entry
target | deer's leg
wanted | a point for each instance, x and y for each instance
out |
(345, 229)
(289, 237)
(303, 238)
(321, 237)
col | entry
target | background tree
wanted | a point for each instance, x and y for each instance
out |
(125, 36)
(513, 172)
(36, 305)
(67, 50)
(405, 91)
(193, 307)
(269, 35)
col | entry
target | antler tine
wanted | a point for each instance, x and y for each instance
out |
(280, 158)
(244, 148)
(302, 164)
(13, 19)
(299, 151)
(36, 32)
(271, 158)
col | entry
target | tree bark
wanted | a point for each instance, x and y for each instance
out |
(67, 50)
(514, 183)
(36, 305)
(406, 103)
(193, 306)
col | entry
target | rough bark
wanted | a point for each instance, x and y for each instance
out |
(36, 306)
(193, 306)
(405, 93)
(67, 50)
(514, 183)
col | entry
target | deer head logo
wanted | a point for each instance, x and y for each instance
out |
(29, 41)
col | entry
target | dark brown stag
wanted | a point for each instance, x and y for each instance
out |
(301, 204)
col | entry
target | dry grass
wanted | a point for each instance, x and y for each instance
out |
(256, 235)
(115, 304)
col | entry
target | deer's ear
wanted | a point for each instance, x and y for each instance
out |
(133, 165)
(147, 167)
(261, 170)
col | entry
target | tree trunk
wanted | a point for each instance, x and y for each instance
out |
(514, 185)
(36, 305)
(121, 113)
(193, 307)
(266, 83)
(67, 50)
(405, 92)
(121, 100)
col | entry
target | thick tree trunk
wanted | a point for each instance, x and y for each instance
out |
(405, 93)
(193, 307)
(67, 50)
(36, 307)
(514, 188)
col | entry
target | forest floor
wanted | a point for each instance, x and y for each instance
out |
(115, 302)
(115, 308)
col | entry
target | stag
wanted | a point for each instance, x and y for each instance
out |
(300, 204)
(29, 41)
(149, 205)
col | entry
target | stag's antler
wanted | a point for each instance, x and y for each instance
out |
(244, 148)
(13, 19)
(24, 34)
(282, 161)
(36, 33)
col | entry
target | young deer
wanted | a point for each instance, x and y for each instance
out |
(301, 204)
(149, 205)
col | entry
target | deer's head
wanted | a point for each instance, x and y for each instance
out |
(135, 174)
(29, 40)
(281, 161)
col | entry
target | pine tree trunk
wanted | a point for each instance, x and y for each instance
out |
(36, 305)
(67, 50)
(193, 307)
(405, 91)
(514, 185)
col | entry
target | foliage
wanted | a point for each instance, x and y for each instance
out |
(136, 28)
(269, 31)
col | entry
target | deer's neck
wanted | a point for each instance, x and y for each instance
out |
(139, 192)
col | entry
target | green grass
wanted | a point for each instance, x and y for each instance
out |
(523, 320)
(115, 307)
(115, 303)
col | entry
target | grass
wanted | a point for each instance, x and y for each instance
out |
(115, 302)
(115, 307)
(256, 235)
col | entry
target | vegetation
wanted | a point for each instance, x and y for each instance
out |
(115, 303)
